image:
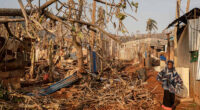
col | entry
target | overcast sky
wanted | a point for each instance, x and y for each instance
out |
(163, 11)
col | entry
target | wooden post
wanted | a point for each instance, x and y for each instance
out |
(148, 59)
(32, 61)
(93, 21)
(50, 60)
(168, 45)
(188, 6)
(175, 32)
(101, 50)
(92, 41)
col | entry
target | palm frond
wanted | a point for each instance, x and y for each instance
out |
(151, 25)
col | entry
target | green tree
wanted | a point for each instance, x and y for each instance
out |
(151, 25)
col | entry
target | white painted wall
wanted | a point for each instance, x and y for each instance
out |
(184, 74)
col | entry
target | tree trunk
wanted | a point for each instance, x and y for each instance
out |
(148, 59)
(79, 54)
(168, 46)
(51, 78)
(12, 12)
(80, 57)
(18, 12)
(93, 22)
(92, 38)
(5, 20)
(77, 40)
(32, 61)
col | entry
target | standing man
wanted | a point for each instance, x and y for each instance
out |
(171, 83)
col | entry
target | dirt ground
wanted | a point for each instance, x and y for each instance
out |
(156, 88)
(64, 94)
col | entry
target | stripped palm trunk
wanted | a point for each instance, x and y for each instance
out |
(32, 61)
(51, 60)
(76, 39)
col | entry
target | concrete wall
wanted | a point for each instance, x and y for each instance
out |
(184, 74)
(131, 51)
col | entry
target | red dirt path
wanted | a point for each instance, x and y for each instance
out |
(156, 88)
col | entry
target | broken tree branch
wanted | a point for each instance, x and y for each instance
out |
(103, 2)
(5, 20)
(25, 16)
(12, 12)
(9, 32)
(112, 36)
(23, 12)
(48, 3)
(60, 19)
(18, 12)
(37, 23)
(63, 4)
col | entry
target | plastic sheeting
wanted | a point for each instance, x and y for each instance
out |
(58, 85)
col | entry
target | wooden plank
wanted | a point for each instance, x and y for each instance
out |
(5, 20)
(186, 100)
(12, 12)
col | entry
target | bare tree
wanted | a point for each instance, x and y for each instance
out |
(74, 18)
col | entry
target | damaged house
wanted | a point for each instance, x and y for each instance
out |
(188, 50)
(14, 54)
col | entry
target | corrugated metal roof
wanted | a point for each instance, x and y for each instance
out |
(184, 18)
(194, 34)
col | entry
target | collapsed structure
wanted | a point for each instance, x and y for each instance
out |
(85, 63)
(47, 47)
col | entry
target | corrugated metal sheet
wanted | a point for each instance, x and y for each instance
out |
(194, 34)
(198, 68)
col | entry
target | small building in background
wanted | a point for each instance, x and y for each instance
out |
(138, 44)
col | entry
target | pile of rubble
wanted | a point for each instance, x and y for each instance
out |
(114, 93)
(110, 90)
